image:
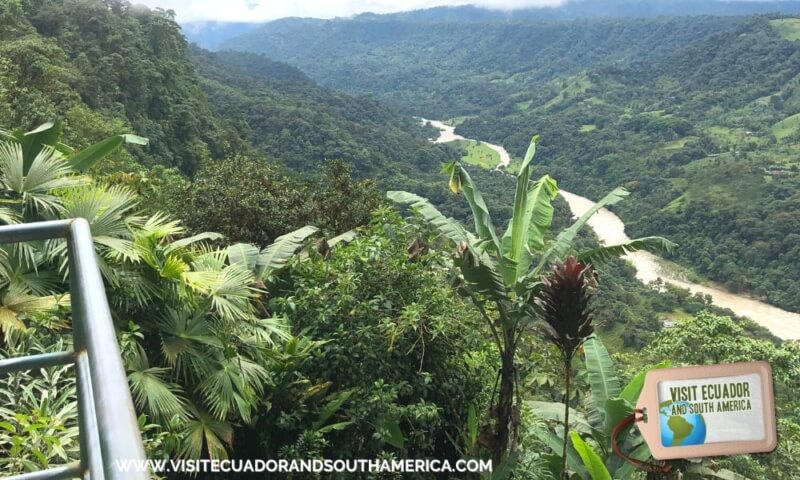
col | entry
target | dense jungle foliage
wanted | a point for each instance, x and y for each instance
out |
(272, 302)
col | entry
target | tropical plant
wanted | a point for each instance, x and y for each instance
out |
(38, 409)
(197, 345)
(563, 303)
(500, 274)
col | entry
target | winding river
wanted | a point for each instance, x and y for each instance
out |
(611, 231)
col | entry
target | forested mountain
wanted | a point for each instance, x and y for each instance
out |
(697, 116)
(273, 301)
(447, 69)
(111, 65)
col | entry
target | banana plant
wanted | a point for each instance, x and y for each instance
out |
(501, 273)
(608, 403)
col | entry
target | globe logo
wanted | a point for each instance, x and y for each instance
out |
(680, 430)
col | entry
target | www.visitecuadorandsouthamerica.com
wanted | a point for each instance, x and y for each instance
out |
(304, 466)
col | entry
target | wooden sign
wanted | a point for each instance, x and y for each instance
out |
(708, 410)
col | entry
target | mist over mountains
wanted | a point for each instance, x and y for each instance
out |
(212, 35)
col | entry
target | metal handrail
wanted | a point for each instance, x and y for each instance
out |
(110, 441)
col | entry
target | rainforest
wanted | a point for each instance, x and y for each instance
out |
(435, 235)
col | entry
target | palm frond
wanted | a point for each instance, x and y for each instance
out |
(229, 290)
(205, 431)
(184, 337)
(563, 242)
(277, 255)
(186, 242)
(597, 256)
(152, 392)
(234, 386)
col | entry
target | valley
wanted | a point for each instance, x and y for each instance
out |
(610, 230)
(298, 264)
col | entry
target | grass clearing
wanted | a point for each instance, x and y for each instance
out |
(588, 128)
(477, 154)
(786, 127)
(677, 144)
(788, 28)
(573, 87)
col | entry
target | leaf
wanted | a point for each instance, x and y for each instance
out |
(591, 460)
(472, 427)
(92, 154)
(34, 141)
(481, 276)
(554, 412)
(602, 378)
(390, 432)
(632, 390)
(331, 407)
(563, 242)
(531, 219)
(204, 430)
(480, 213)
(649, 244)
(616, 409)
(345, 238)
(700, 469)
(244, 254)
(449, 227)
(555, 442)
(185, 242)
(642, 452)
(277, 255)
(506, 467)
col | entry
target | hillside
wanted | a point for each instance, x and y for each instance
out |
(108, 67)
(423, 68)
(273, 301)
(697, 116)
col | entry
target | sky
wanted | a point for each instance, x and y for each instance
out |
(264, 10)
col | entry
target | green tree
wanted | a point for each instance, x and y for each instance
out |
(501, 274)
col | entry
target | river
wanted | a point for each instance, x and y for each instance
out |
(610, 230)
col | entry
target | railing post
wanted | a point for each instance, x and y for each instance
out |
(109, 430)
(116, 422)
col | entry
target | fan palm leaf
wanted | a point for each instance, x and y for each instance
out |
(32, 189)
(205, 434)
(234, 386)
(151, 391)
(229, 290)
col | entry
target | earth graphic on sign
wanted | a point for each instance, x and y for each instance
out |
(678, 430)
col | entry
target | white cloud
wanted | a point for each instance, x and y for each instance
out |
(264, 10)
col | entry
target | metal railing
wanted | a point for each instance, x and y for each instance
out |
(109, 431)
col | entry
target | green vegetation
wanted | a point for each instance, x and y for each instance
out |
(789, 126)
(270, 301)
(477, 154)
(502, 273)
(692, 115)
(788, 28)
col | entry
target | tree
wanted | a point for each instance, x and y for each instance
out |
(501, 275)
(197, 346)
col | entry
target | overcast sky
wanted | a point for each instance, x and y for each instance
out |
(262, 10)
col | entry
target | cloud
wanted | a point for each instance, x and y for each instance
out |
(264, 10)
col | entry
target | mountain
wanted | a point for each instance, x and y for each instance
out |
(288, 117)
(107, 67)
(215, 35)
(455, 68)
(697, 116)
(212, 34)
